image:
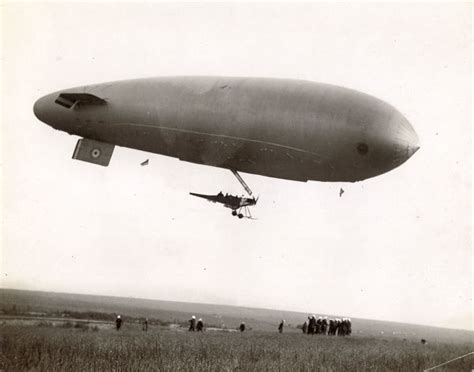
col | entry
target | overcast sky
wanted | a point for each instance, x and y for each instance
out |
(395, 247)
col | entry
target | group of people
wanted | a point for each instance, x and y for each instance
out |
(325, 326)
(195, 325)
(313, 326)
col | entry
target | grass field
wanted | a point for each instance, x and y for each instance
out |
(42, 331)
(88, 347)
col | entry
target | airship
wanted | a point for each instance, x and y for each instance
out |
(283, 128)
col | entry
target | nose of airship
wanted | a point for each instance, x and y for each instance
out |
(47, 111)
(40, 108)
(406, 141)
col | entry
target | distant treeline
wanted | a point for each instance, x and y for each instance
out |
(83, 315)
(27, 311)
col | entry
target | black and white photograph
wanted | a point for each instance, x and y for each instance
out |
(236, 186)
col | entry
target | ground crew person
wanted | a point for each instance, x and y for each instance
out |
(118, 322)
(311, 325)
(305, 327)
(319, 323)
(324, 326)
(200, 325)
(332, 327)
(192, 324)
(337, 327)
(280, 327)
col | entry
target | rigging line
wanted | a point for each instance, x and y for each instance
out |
(449, 361)
(241, 180)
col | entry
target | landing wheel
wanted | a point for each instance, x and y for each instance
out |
(241, 215)
(234, 213)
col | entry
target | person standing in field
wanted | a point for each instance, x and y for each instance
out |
(331, 327)
(280, 327)
(319, 324)
(145, 325)
(337, 327)
(305, 326)
(118, 322)
(192, 324)
(312, 324)
(242, 327)
(200, 325)
(324, 326)
(342, 327)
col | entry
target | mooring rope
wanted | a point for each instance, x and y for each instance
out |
(449, 361)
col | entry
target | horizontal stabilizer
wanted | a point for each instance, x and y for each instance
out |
(68, 100)
(93, 151)
(208, 197)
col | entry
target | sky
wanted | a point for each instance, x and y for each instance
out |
(396, 247)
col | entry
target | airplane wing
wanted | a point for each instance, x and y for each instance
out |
(68, 100)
